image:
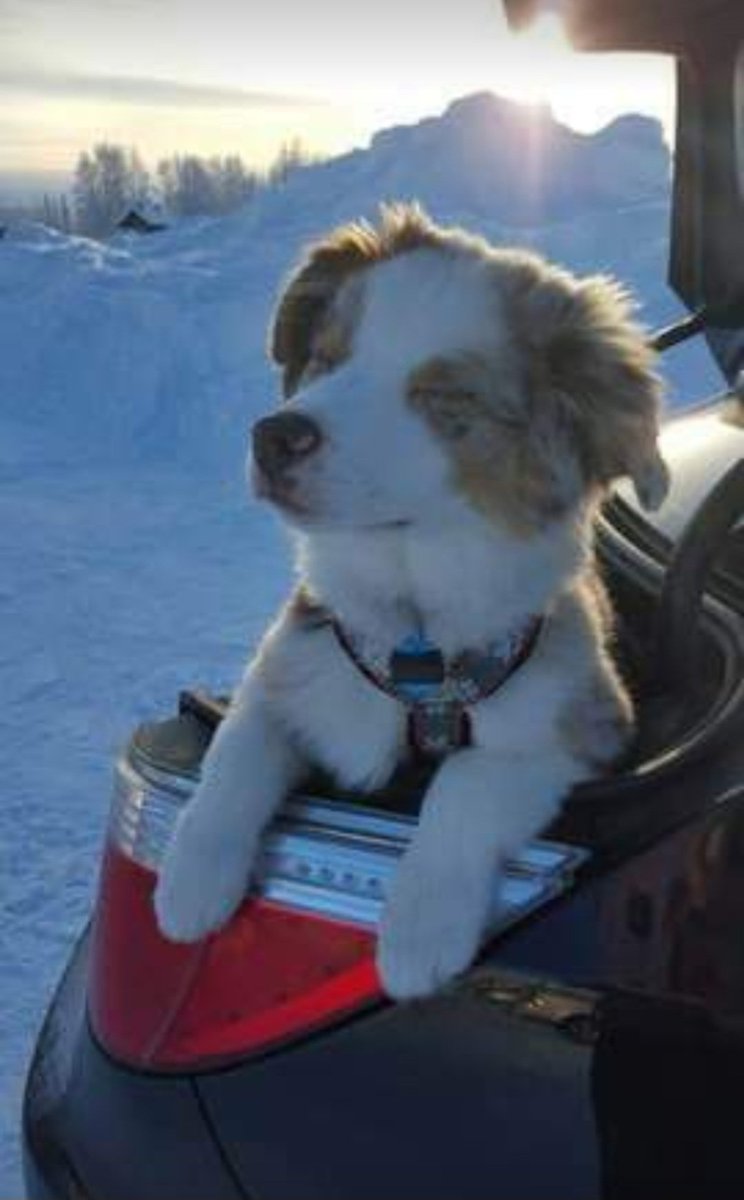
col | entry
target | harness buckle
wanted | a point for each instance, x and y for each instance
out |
(438, 727)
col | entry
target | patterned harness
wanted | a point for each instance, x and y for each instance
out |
(438, 692)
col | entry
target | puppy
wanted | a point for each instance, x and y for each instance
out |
(453, 414)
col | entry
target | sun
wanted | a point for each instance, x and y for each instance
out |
(585, 90)
(541, 61)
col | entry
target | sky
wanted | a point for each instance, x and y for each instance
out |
(242, 76)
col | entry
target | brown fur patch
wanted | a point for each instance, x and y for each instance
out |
(333, 343)
(517, 492)
(566, 404)
(328, 264)
(308, 612)
(473, 403)
(451, 393)
(332, 339)
(588, 368)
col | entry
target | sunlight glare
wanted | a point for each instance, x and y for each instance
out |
(542, 62)
(585, 90)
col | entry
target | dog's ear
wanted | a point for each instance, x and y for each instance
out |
(590, 369)
(310, 291)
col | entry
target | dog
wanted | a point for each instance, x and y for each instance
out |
(453, 415)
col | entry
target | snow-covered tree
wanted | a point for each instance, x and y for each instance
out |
(236, 184)
(198, 186)
(55, 212)
(188, 184)
(193, 186)
(292, 155)
(109, 180)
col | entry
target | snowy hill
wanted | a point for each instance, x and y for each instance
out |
(492, 160)
(150, 346)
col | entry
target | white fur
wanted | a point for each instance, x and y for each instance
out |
(466, 580)
(480, 808)
(206, 870)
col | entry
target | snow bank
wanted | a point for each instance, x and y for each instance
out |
(153, 347)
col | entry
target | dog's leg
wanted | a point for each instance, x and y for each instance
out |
(247, 772)
(479, 809)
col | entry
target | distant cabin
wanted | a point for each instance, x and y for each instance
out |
(137, 223)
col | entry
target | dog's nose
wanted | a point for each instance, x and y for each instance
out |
(282, 440)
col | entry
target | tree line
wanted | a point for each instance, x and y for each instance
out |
(110, 180)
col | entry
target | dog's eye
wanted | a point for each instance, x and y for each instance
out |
(452, 413)
(453, 424)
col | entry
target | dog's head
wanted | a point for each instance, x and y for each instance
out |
(425, 370)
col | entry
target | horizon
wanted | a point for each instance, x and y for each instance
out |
(226, 81)
(19, 187)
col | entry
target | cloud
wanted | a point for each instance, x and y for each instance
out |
(133, 89)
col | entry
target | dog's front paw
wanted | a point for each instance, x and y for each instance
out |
(430, 931)
(201, 884)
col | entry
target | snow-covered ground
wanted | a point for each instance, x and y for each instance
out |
(132, 563)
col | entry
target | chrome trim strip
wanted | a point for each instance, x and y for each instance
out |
(321, 856)
(514, 898)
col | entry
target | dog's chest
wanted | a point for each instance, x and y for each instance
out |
(358, 711)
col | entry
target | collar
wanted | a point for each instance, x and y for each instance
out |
(438, 691)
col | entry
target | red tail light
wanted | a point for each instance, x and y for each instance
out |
(298, 956)
(270, 975)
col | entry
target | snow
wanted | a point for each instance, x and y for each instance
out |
(133, 564)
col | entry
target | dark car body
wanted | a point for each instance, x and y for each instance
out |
(596, 1049)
